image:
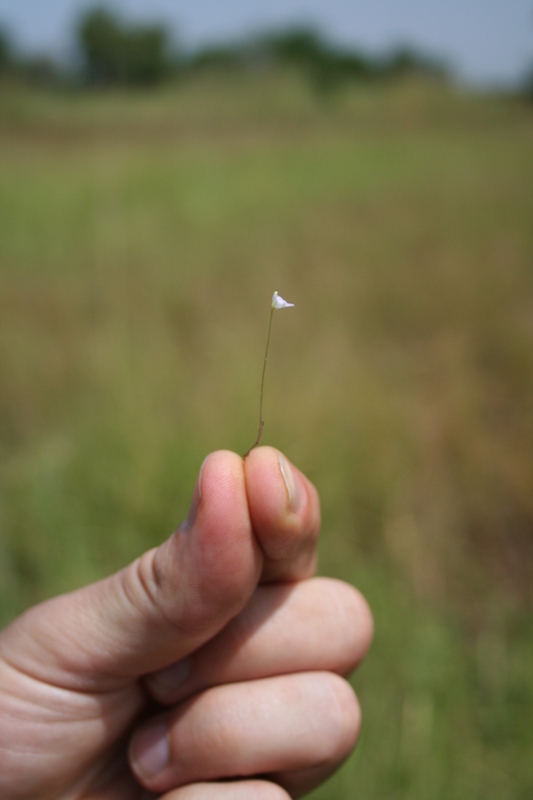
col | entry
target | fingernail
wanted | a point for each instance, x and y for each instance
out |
(291, 483)
(200, 477)
(187, 524)
(173, 676)
(150, 750)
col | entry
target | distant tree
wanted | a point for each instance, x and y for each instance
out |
(99, 39)
(213, 57)
(527, 86)
(326, 65)
(407, 62)
(115, 54)
(6, 52)
(41, 70)
(299, 46)
(145, 56)
(35, 69)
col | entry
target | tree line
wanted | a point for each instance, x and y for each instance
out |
(112, 52)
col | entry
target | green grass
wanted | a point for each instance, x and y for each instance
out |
(141, 237)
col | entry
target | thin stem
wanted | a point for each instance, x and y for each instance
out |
(261, 422)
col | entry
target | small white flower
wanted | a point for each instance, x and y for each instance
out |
(279, 302)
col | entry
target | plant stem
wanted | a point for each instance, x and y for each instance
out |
(261, 422)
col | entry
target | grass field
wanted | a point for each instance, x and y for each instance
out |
(141, 238)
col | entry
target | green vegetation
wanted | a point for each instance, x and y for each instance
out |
(141, 238)
(113, 52)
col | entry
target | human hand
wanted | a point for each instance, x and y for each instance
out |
(80, 674)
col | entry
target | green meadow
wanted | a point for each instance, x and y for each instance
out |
(141, 238)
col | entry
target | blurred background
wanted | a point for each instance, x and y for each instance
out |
(163, 168)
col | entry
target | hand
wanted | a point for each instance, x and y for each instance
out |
(217, 623)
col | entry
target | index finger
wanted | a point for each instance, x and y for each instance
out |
(285, 513)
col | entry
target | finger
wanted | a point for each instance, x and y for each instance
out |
(302, 781)
(285, 514)
(230, 790)
(286, 724)
(317, 624)
(163, 606)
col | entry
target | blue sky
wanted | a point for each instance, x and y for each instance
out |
(486, 41)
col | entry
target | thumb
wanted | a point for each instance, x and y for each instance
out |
(157, 610)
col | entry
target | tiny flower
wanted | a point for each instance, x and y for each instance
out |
(279, 302)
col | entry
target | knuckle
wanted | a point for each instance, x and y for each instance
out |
(218, 734)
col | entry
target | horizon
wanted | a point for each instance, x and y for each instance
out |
(483, 43)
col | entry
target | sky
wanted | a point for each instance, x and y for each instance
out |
(486, 42)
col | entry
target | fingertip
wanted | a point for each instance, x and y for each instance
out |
(222, 540)
(353, 618)
(285, 513)
(221, 492)
(209, 567)
(270, 486)
(365, 621)
(345, 722)
(218, 468)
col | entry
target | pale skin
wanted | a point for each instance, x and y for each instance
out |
(212, 668)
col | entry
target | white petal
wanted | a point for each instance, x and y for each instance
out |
(279, 302)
